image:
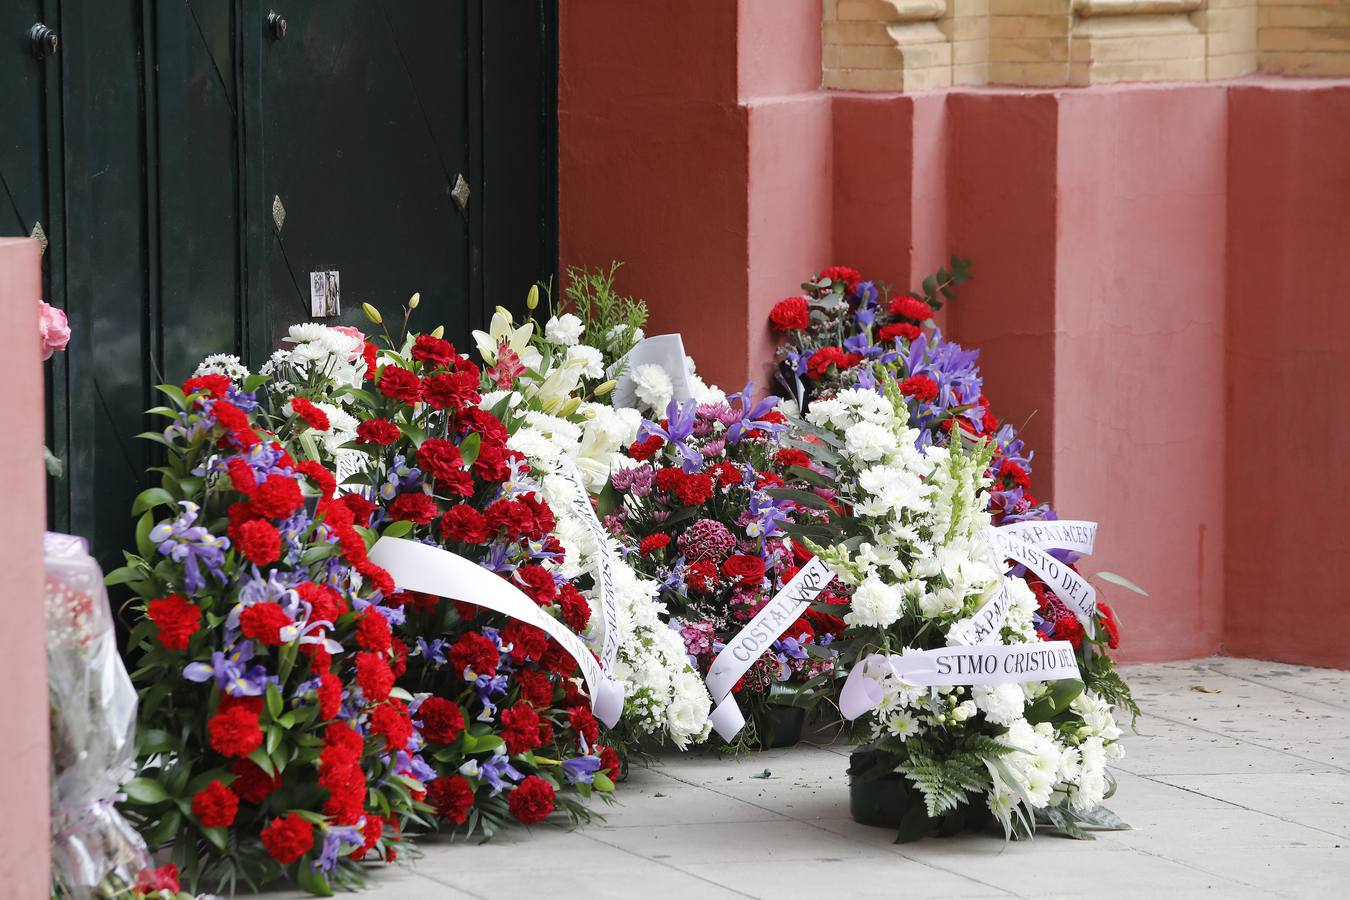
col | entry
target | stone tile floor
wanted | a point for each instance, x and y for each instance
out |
(1237, 785)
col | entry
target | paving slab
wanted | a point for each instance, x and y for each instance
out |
(1237, 785)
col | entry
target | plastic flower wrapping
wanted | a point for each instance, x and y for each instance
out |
(93, 719)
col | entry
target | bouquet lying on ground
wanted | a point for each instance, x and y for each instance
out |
(847, 350)
(271, 740)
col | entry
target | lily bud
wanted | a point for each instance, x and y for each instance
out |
(372, 313)
(532, 298)
(569, 407)
(605, 388)
(438, 331)
(414, 300)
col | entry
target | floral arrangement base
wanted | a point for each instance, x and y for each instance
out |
(780, 726)
(890, 801)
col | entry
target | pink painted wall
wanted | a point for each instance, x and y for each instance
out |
(1288, 393)
(1160, 277)
(23, 778)
(1138, 425)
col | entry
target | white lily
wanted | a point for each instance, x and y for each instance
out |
(501, 329)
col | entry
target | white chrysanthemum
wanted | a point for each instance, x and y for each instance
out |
(1002, 704)
(589, 359)
(653, 386)
(875, 604)
(226, 364)
(565, 329)
(1090, 788)
(902, 725)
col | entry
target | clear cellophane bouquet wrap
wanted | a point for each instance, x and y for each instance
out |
(95, 852)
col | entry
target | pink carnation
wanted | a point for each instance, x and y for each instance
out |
(53, 328)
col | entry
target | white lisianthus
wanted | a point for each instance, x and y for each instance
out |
(565, 329)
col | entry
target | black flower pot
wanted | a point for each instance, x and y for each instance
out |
(882, 801)
(888, 799)
(780, 726)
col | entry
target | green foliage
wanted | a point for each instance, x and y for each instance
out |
(590, 295)
(948, 779)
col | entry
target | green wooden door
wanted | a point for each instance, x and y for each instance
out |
(159, 144)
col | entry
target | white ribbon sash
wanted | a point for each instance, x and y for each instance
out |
(983, 625)
(432, 570)
(580, 502)
(1067, 584)
(1061, 534)
(664, 350)
(951, 666)
(758, 635)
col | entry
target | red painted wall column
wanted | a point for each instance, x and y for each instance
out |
(1288, 371)
(24, 781)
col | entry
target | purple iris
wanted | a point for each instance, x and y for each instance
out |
(231, 672)
(432, 651)
(497, 771)
(192, 545)
(751, 415)
(337, 840)
(679, 427)
(581, 770)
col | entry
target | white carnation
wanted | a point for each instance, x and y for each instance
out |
(565, 329)
(589, 359)
(875, 604)
(1001, 704)
(653, 386)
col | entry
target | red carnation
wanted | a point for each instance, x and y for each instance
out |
(1108, 617)
(531, 801)
(748, 570)
(433, 350)
(451, 390)
(701, 576)
(584, 724)
(476, 653)
(653, 542)
(694, 489)
(413, 506)
(263, 622)
(535, 688)
(329, 694)
(792, 314)
(645, 450)
(398, 383)
(442, 720)
(920, 387)
(234, 731)
(288, 839)
(360, 508)
(491, 464)
(849, 276)
(377, 431)
(439, 458)
(325, 603)
(520, 728)
(528, 643)
(176, 618)
(826, 357)
(235, 421)
(576, 611)
(464, 524)
(391, 721)
(668, 479)
(214, 386)
(791, 456)
(215, 805)
(610, 764)
(452, 798)
(374, 676)
(323, 479)
(911, 308)
(252, 783)
(889, 333)
(372, 631)
(314, 417)
(370, 356)
(371, 832)
(260, 542)
(241, 475)
(165, 878)
(1015, 473)
(537, 582)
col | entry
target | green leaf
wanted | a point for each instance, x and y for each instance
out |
(275, 704)
(1122, 581)
(174, 392)
(310, 880)
(398, 529)
(145, 791)
(122, 575)
(152, 741)
(219, 837)
(143, 529)
(154, 436)
(253, 382)
(316, 553)
(800, 497)
(469, 448)
(149, 499)
(260, 759)
(602, 783)
(414, 434)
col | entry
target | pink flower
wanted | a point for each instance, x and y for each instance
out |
(353, 332)
(53, 328)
